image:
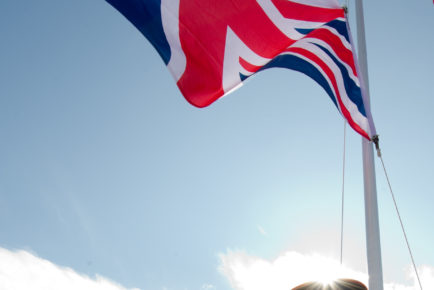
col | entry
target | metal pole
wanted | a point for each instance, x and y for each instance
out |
(371, 207)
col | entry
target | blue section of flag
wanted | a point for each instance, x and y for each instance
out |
(146, 16)
(298, 64)
(341, 27)
(304, 31)
(243, 77)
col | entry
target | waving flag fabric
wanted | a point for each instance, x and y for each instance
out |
(211, 47)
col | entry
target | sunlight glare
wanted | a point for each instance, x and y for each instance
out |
(324, 270)
(285, 272)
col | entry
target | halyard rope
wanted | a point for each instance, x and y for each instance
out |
(343, 191)
(397, 210)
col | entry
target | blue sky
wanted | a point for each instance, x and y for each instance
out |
(107, 170)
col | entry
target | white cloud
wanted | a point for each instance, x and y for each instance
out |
(21, 270)
(290, 269)
(426, 275)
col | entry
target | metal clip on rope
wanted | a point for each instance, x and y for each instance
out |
(376, 141)
(345, 7)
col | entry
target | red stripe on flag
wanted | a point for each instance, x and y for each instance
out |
(248, 66)
(297, 11)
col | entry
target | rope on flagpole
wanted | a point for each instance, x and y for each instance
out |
(376, 142)
(343, 190)
(345, 7)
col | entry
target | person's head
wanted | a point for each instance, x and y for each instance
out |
(339, 284)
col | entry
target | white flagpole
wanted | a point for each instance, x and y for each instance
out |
(373, 246)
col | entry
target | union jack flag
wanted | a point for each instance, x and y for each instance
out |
(211, 47)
